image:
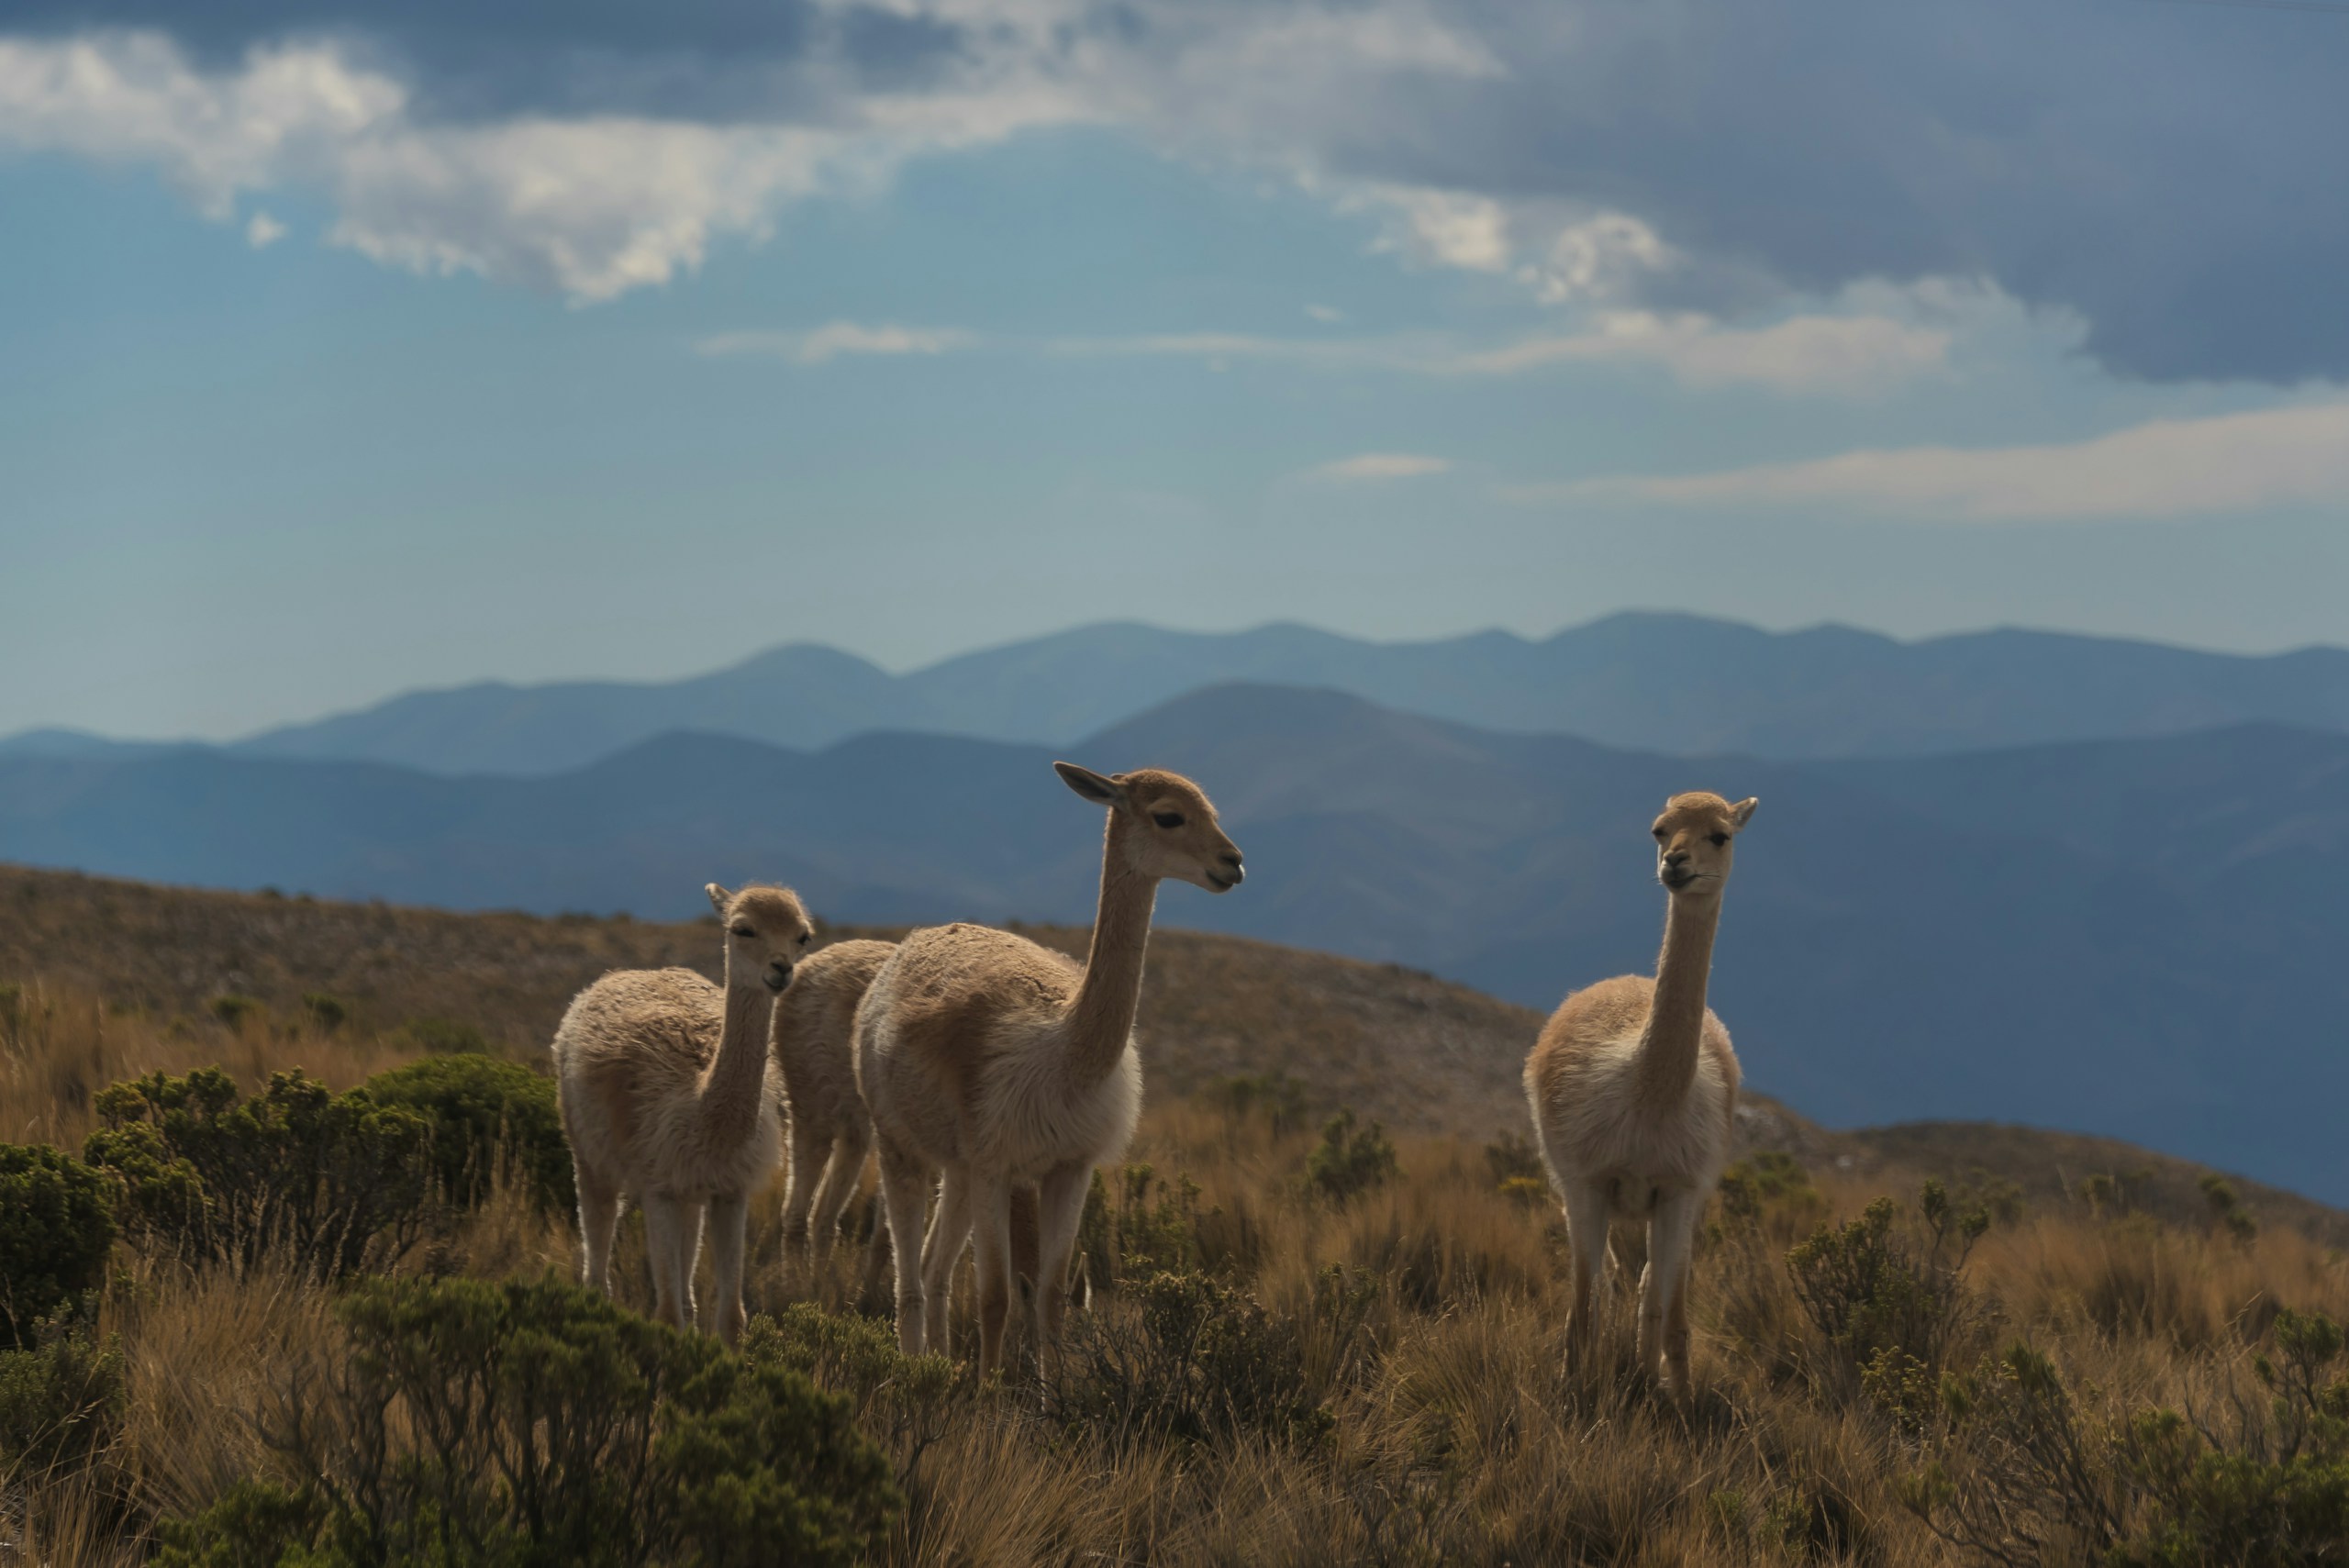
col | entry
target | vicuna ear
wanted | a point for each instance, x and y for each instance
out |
(1743, 812)
(718, 898)
(1091, 785)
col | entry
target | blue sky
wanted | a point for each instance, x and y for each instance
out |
(350, 349)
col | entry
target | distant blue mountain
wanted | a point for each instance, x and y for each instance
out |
(1678, 685)
(2137, 938)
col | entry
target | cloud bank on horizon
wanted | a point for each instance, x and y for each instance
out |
(2162, 175)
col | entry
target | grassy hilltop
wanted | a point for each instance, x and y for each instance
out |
(1305, 1344)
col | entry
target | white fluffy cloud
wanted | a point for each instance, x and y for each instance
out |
(1846, 354)
(2165, 468)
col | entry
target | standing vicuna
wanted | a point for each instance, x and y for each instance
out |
(814, 1046)
(1634, 1092)
(669, 1100)
(998, 1062)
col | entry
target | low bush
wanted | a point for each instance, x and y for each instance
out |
(535, 1423)
(331, 1182)
(485, 1111)
(1189, 1358)
(444, 1037)
(1140, 1233)
(1887, 1299)
(2024, 1476)
(56, 1228)
(61, 1402)
(1350, 1160)
(1276, 1095)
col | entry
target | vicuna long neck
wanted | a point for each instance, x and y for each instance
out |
(737, 1075)
(1677, 1016)
(1101, 1017)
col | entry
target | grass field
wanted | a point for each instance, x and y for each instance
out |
(1276, 1371)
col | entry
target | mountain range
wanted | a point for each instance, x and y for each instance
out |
(2131, 937)
(1679, 685)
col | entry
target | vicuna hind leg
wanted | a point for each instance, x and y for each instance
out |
(1664, 1307)
(841, 1172)
(949, 1229)
(905, 1194)
(808, 1153)
(599, 1216)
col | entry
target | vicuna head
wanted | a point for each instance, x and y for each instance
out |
(1162, 824)
(1696, 838)
(767, 931)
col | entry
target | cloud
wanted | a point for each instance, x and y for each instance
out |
(2166, 468)
(1376, 467)
(828, 342)
(1328, 315)
(261, 232)
(1712, 158)
(1804, 354)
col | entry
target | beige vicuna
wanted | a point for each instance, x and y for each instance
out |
(1634, 1092)
(671, 1101)
(996, 1063)
(813, 1043)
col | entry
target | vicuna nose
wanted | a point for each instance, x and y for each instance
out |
(1676, 857)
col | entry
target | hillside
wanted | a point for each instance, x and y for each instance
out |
(1676, 683)
(2132, 938)
(1421, 1054)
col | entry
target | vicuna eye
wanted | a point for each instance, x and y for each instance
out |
(804, 938)
(1167, 818)
(744, 932)
(1659, 834)
(1719, 839)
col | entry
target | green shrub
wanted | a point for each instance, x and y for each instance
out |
(1349, 1161)
(444, 1037)
(1275, 1095)
(1196, 1360)
(531, 1423)
(1139, 1235)
(1512, 1158)
(327, 1013)
(2024, 1476)
(332, 1181)
(1888, 1299)
(56, 1228)
(484, 1111)
(233, 1010)
(61, 1401)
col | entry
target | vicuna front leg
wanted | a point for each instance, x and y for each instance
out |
(1061, 1209)
(1663, 1315)
(672, 1241)
(1590, 1207)
(991, 1237)
(729, 1218)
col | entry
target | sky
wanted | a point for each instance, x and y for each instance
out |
(351, 348)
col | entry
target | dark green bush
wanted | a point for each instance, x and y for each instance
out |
(2024, 1477)
(530, 1423)
(484, 1111)
(1190, 1358)
(61, 1401)
(56, 1228)
(331, 1181)
(1275, 1095)
(1139, 1234)
(328, 1014)
(234, 1011)
(1887, 1298)
(1349, 1161)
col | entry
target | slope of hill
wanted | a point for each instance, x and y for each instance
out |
(2129, 938)
(1680, 684)
(1421, 1054)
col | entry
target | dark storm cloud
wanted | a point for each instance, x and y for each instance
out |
(2173, 173)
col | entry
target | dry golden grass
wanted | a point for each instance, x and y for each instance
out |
(1457, 1435)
